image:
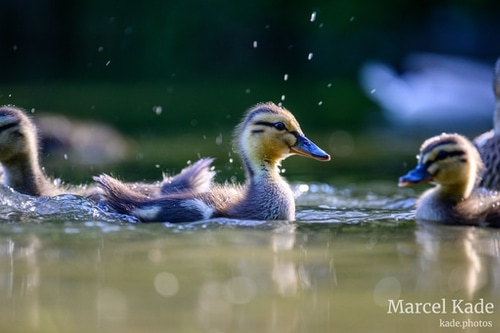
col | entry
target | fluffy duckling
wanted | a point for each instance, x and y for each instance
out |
(488, 143)
(267, 135)
(22, 171)
(19, 154)
(453, 163)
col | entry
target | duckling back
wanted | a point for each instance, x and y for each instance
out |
(488, 144)
(179, 207)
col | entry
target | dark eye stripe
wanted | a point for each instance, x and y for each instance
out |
(443, 154)
(278, 125)
(264, 123)
(7, 126)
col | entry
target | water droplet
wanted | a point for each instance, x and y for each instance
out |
(100, 49)
(285, 77)
(320, 103)
(157, 166)
(33, 110)
(310, 56)
(218, 139)
(313, 16)
(329, 85)
(14, 47)
(157, 109)
(282, 97)
(351, 19)
(247, 91)
(107, 63)
(303, 188)
(373, 91)
(254, 44)
(65, 156)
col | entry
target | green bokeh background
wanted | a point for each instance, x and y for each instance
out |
(205, 62)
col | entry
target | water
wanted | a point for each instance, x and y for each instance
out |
(66, 265)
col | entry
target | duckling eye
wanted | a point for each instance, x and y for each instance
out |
(279, 126)
(441, 155)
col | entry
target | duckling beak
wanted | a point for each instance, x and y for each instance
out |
(304, 147)
(415, 176)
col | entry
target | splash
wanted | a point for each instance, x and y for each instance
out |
(316, 203)
(16, 207)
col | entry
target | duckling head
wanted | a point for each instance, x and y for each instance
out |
(18, 138)
(449, 160)
(270, 133)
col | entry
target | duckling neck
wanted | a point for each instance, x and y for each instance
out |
(263, 169)
(267, 196)
(25, 175)
(455, 192)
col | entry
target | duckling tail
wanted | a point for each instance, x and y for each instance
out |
(194, 178)
(166, 209)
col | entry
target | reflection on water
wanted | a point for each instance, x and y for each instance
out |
(334, 269)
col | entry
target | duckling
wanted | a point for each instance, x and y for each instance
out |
(19, 154)
(488, 143)
(267, 135)
(22, 171)
(454, 164)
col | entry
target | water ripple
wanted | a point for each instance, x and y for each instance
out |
(316, 203)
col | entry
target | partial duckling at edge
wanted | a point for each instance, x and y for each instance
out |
(454, 164)
(488, 143)
(22, 171)
(267, 135)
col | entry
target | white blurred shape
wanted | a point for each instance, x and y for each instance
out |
(432, 89)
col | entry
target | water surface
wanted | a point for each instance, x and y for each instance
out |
(68, 266)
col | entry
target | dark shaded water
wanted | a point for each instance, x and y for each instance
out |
(67, 266)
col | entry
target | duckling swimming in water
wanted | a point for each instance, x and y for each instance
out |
(453, 163)
(488, 143)
(22, 171)
(267, 135)
(19, 154)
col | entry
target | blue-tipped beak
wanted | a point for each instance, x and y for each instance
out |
(415, 176)
(307, 148)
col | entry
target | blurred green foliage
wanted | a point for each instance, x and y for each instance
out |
(159, 70)
(201, 61)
